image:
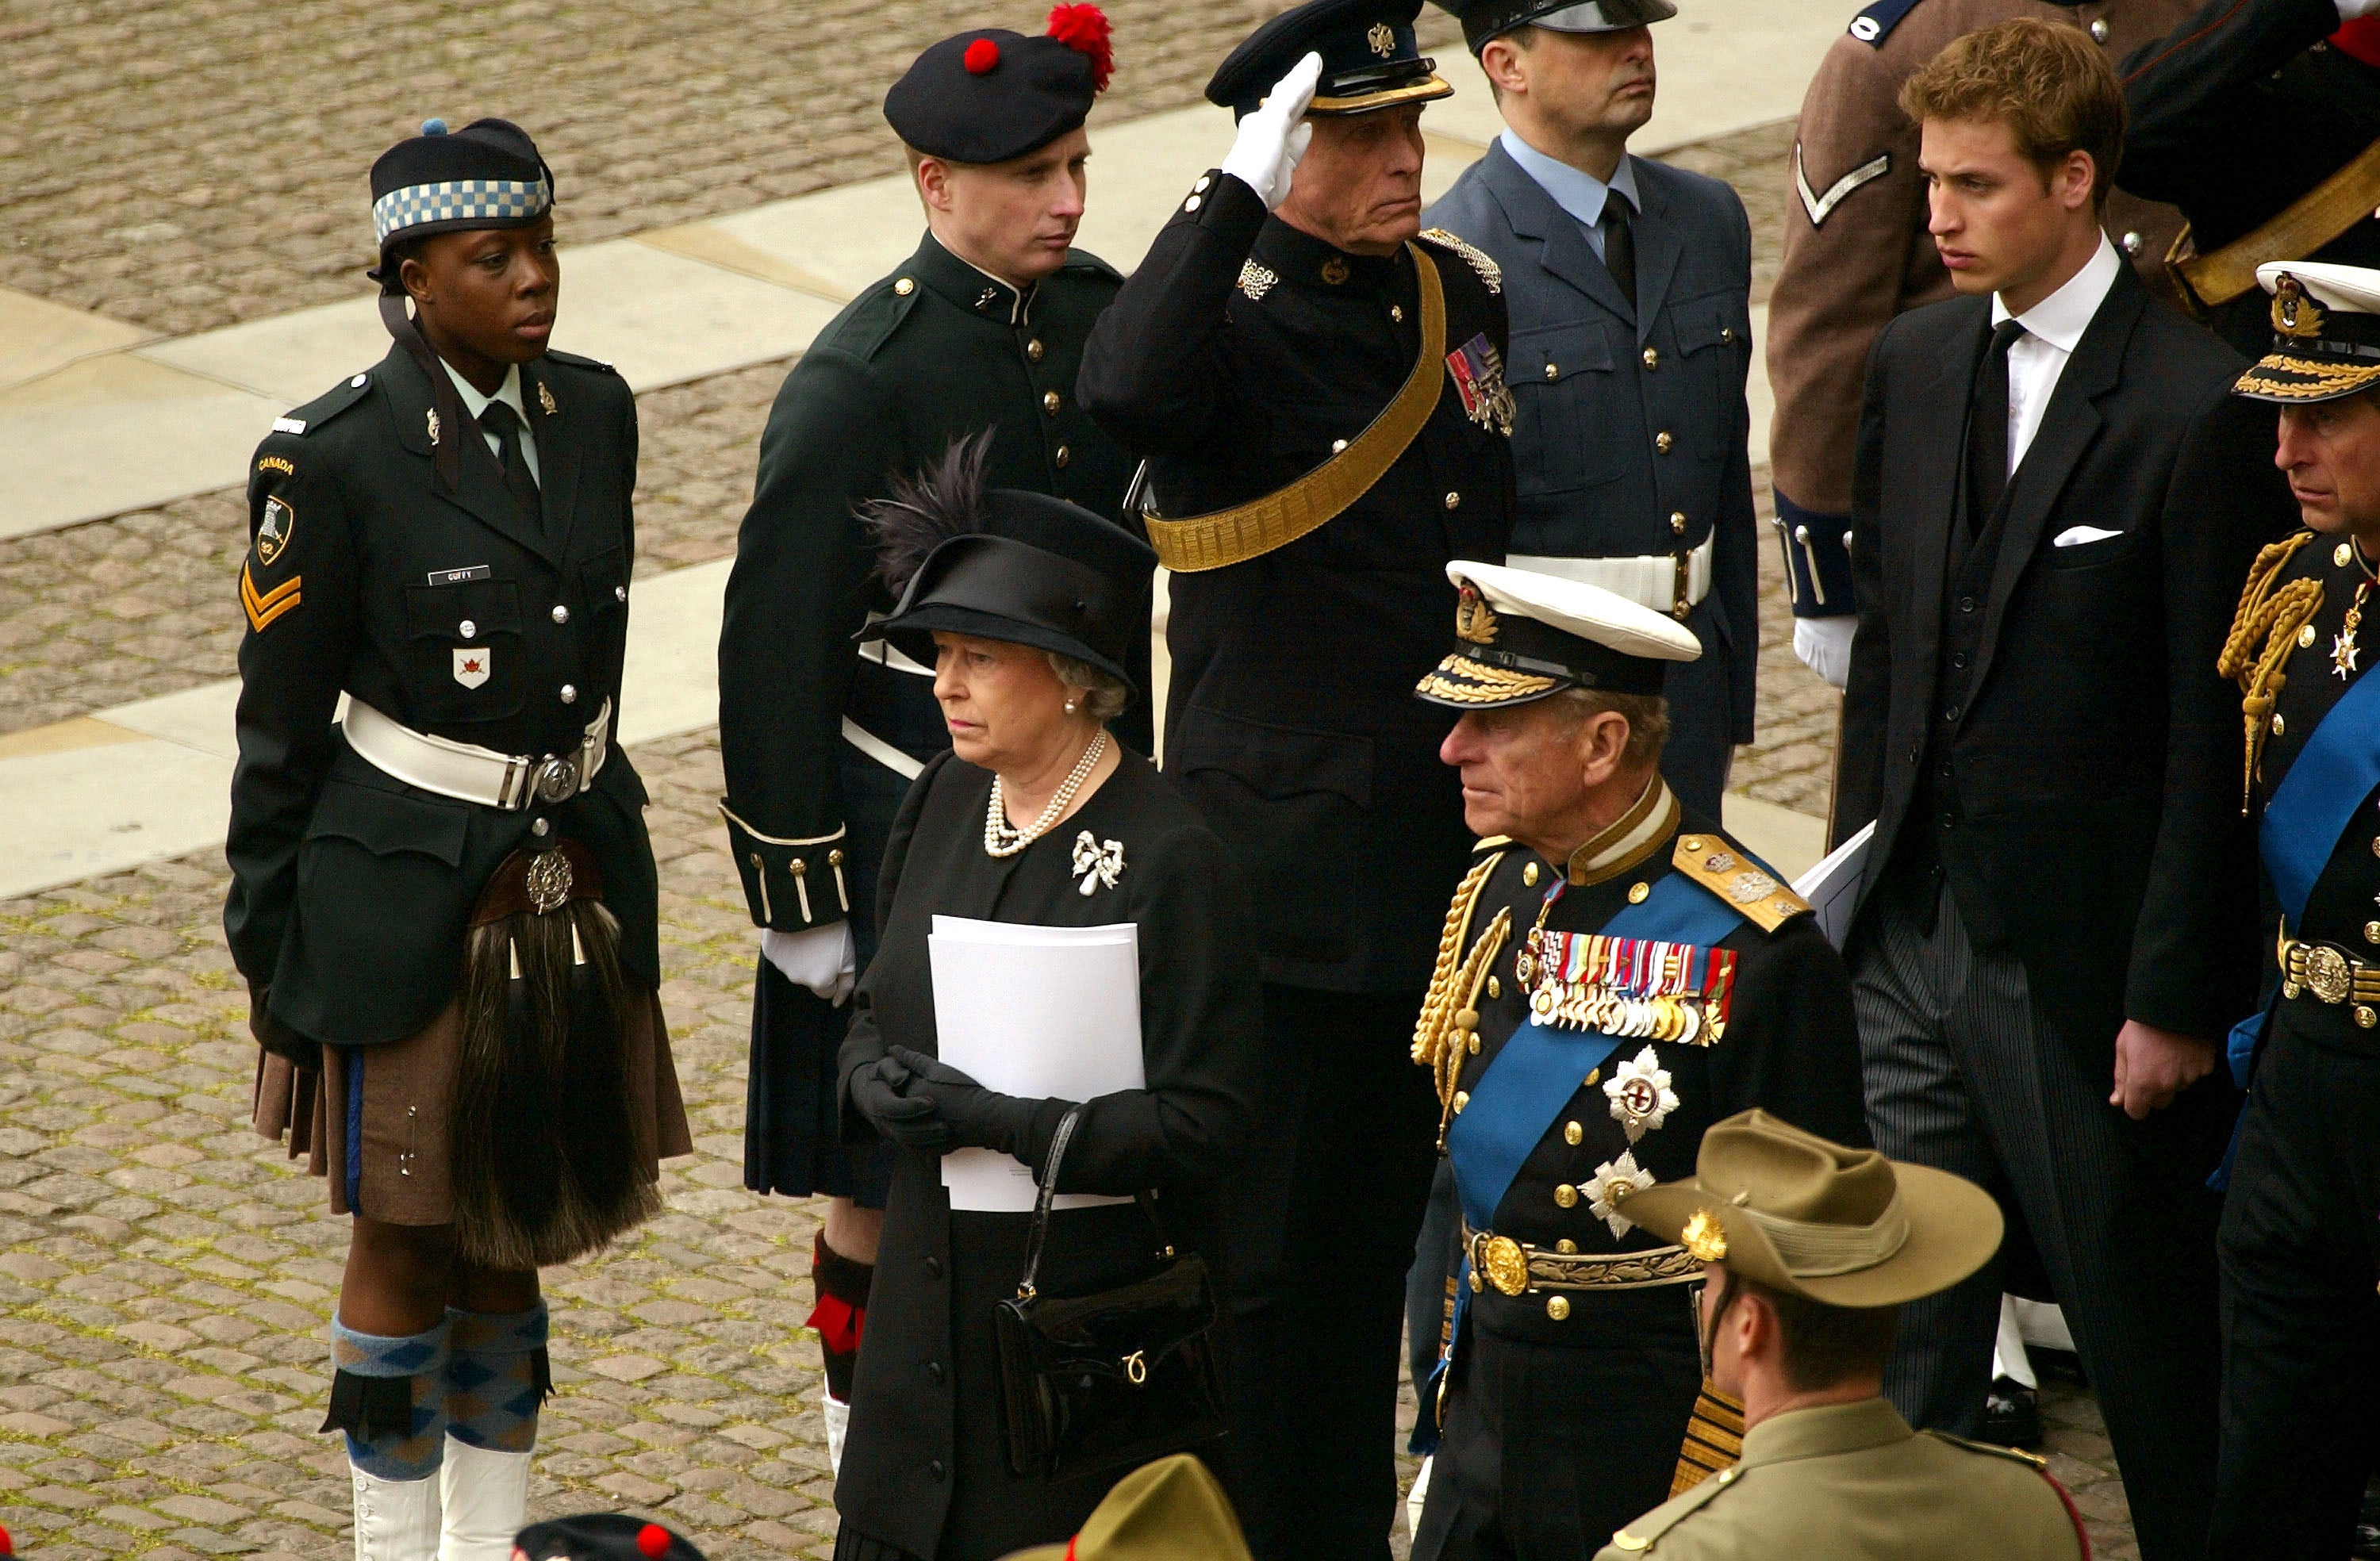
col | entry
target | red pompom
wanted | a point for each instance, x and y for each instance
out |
(653, 1541)
(981, 56)
(1083, 28)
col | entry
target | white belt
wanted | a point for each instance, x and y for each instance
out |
(470, 773)
(883, 752)
(1671, 583)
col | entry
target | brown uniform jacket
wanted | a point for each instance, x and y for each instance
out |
(1852, 1483)
(1856, 249)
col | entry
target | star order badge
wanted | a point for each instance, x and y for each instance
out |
(1613, 1181)
(1639, 1095)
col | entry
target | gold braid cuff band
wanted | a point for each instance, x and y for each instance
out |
(1251, 530)
(2313, 219)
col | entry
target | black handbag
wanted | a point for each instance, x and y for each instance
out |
(1109, 1380)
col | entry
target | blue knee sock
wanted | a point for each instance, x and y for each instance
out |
(389, 1396)
(496, 1377)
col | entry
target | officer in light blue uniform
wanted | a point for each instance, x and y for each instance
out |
(1627, 283)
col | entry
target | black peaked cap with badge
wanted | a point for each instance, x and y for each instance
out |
(1370, 58)
(390, 562)
(990, 94)
(1484, 20)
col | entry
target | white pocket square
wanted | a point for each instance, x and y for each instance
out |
(2075, 536)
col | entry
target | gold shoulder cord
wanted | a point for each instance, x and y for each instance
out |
(1253, 529)
(2271, 617)
(1438, 1008)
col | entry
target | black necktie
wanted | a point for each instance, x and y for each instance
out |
(501, 420)
(1987, 433)
(1620, 246)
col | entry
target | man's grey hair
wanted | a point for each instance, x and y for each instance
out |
(1648, 716)
(1104, 695)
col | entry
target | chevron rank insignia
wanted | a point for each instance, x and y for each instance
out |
(1736, 879)
(264, 607)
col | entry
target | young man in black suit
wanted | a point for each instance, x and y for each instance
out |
(2054, 493)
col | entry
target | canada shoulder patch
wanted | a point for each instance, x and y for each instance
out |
(1720, 866)
(274, 526)
(1491, 274)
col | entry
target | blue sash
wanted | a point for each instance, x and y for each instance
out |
(1532, 1078)
(2335, 772)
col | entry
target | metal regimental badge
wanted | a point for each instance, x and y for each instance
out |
(1383, 40)
(1256, 281)
(545, 399)
(548, 881)
(2295, 314)
(1475, 620)
(1704, 1237)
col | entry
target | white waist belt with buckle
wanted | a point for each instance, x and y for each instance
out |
(1671, 583)
(470, 773)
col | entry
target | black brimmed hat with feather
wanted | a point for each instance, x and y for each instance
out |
(1006, 564)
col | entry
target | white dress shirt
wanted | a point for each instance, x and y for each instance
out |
(509, 392)
(1580, 194)
(2052, 329)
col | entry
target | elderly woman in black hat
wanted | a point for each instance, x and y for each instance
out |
(1024, 604)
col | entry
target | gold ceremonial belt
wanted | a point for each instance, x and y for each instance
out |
(1512, 1268)
(1253, 529)
(2331, 975)
(2319, 215)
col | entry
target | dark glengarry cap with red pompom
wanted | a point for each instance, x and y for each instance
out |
(603, 1536)
(990, 94)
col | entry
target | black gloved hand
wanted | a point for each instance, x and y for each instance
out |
(909, 1121)
(979, 1118)
(278, 1038)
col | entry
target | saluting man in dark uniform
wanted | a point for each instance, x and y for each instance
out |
(1319, 394)
(1615, 976)
(2261, 121)
(444, 902)
(2298, 1241)
(978, 334)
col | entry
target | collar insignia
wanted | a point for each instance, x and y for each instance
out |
(545, 399)
(1334, 270)
(433, 425)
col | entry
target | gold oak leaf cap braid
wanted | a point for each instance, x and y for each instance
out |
(2271, 617)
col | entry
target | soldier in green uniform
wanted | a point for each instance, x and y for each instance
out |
(2298, 1242)
(1615, 975)
(1811, 1248)
(444, 900)
(975, 336)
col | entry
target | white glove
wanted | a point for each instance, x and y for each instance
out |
(1825, 646)
(1272, 138)
(823, 959)
(2356, 11)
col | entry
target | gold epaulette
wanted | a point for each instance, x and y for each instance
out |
(1489, 272)
(1454, 984)
(1717, 864)
(2263, 635)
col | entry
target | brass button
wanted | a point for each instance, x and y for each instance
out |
(2372, 932)
(1557, 1306)
(1462, 1099)
(2279, 725)
(1397, 313)
(1454, 501)
(2099, 29)
(468, 629)
(1727, 332)
(1496, 987)
(904, 287)
(2305, 637)
(1529, 876)
(1063, 456)
(1727, 1476)
(1636, 892)
(2366, 1017)
(1652, 357)
(2376, 848)
(1662, 441)
(2341, 553)
(1593, 1075)
(1552, 371)
(1566, 1246)
(1049, 401)
(1692, 842)
(561, 614)
(569, 694)
(2132, 243)
(1193, 203)
(1472, 1045)
(1677, 522)
(1566, 1196)
(1573, 1134)
(1337, 445)
(1032, 349)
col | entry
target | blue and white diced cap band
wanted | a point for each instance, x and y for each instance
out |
(506, 201)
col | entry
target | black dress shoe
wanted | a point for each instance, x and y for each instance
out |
(2012, 1415)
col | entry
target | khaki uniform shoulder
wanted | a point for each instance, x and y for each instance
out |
(1644, 1535)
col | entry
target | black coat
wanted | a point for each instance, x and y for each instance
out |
(925, 1471)
(934, 352)
(1236, 355)
(377, 580)
(1627, 416)
(2238, 112)
(2086, 751)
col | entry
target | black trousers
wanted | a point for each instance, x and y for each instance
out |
(1965, 1073)
(1320, 1227)
(1551, 1449)
(2301, 1255)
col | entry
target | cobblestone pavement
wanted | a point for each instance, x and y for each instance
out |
(190, 165)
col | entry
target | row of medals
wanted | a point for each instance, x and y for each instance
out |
(1587, 1003)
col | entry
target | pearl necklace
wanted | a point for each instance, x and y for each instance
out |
(1002, 839)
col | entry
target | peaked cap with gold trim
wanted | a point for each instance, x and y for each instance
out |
(2325, 333)
(1521, 636)
(1370, 58)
